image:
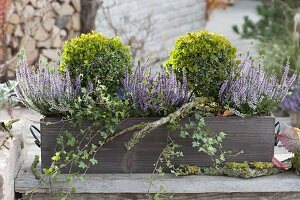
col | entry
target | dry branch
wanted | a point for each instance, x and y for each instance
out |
(6, 127)
(182, 112)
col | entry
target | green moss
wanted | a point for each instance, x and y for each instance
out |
(261, 165)
(250, 169)
(207, 59)
(97, 58)
(185, 170)
(213, 171)
(232, 169)
(239, 166)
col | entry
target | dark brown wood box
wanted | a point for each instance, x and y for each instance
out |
(253, 135)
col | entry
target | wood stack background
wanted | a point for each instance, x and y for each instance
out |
(41, 27)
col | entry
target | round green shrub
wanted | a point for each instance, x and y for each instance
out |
(97, 58)
(206, 58)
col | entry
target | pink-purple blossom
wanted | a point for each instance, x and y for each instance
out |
(157, 92)
(44, 89)
(250, 85)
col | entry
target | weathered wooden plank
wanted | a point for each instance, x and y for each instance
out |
(255, 136)
(137, 184)
(211, 196)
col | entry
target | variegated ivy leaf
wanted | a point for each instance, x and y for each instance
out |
(290, 138)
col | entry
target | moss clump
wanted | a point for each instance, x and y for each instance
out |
(261, 165)
(206, 58)
(238, 166)
(213, 171)
(97, 58)
(232, 169)
(185, 170)
(250, 169)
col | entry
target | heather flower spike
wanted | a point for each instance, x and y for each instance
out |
(292, 101)
(155, 93)
(251, 89)
(45, 90)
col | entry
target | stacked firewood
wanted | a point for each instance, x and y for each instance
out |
(40, 27)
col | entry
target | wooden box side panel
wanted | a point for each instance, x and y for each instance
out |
(255, 136)
(112, 157)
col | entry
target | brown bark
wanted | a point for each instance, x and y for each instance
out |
(89, 10)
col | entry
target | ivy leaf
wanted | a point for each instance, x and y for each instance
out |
(56, 157)
(48, 172)
(197, 116)
(82, 165)
(93, 161)
(201, 122)
(183, 134)
(72, 190)
(195, 144)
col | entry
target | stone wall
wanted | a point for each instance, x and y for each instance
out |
(169, 20)
(41, 27)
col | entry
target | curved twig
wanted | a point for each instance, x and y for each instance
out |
(180, 113)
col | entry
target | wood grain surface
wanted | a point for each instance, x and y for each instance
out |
(254, 136)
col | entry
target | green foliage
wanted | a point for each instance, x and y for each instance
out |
(263, 108)
(274, 30)
(207, 106)
(34, 171)
(106, 112)
(296, 162)
(97, 58)
(6, 91)
(160, 195)
(204, 139)
(206, 58)
(189, 170)
(277, 52)
(167, 155)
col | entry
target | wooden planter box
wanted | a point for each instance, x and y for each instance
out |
(255, 136)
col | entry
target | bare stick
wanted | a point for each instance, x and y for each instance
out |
(180, 113)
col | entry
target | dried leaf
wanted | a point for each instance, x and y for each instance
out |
(290, 138)
(226, 113)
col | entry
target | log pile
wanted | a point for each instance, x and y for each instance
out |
(40, 27)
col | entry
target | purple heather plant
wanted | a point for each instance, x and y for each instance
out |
(250, 90)
(156, 94)
(44, 89)
(292, 101)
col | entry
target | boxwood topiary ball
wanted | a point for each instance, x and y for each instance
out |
(207, 59)
(97, 58)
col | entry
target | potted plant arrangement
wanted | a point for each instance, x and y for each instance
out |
(204, 104)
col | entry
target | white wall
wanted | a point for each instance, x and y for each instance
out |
(170, 19)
